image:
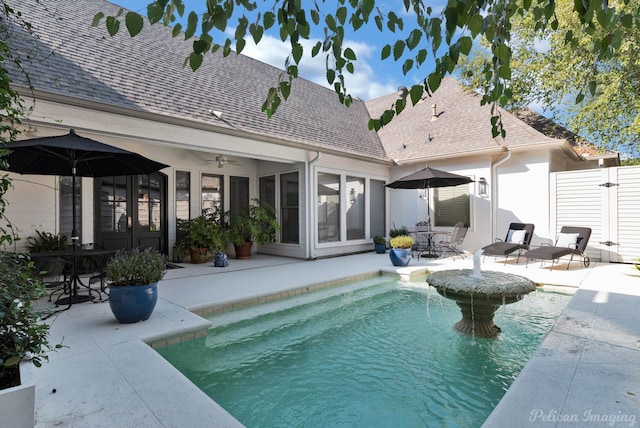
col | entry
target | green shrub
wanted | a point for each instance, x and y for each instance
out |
(135, 267)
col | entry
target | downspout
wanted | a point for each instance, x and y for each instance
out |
(494, 189)
(311, 217)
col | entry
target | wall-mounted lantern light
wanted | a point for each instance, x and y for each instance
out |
(483, 187)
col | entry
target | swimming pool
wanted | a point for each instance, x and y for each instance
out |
(376, 353)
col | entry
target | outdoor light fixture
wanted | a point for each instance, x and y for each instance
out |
(352, 195)
(483, 187)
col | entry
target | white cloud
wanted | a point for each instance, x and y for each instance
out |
(364, 83)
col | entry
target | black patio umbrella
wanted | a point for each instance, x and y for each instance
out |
(75, 156)
(428, 178)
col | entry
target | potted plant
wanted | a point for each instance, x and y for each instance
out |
(398, 232)
(400, 252)
(46, 241)
(257, 223)
(205, 233)
(22, 337)
(380, 244)
(133, 277)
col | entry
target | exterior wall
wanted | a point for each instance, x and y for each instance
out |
(523, 195)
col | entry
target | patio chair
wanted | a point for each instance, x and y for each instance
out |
(457, 237)
(55, 275)
(422, 243)
(518, 239)
(571, 241)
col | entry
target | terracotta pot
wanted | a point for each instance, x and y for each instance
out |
(243, 251)
(199, 255)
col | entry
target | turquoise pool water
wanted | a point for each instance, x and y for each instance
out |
(377, 353)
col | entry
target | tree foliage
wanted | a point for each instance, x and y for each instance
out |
(593, 89)
(447, 34)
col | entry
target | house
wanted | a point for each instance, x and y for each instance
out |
(315, 160)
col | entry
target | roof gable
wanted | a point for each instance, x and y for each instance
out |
(145, 74)
(460, 125)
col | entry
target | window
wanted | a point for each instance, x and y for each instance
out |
(148, 203)
(238, 194)
(451, 205)
(183, 195)
(212, 192)
(66, 203)
(113, 201)
(289, 208)
(377, 208)
(267, 191)
(355, 208)
(328, 207)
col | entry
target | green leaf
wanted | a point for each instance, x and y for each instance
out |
(268, 20)
(433, 80)
(331, 76)
(285, 89)
(349, 54)
(579, 98)
(475, 24)
(341, 14)
(256, 32)
(177, 30)
(422, 56)
(592, 87)
(386, 51)
(97, 18)
(398, 49)
(414, 39)
(195, 61)
(296, 51)
(415, 93)
(407, 66)
(134, 23)
(113, 26)
(200, 46)
(192, 24)
(316, 49)
(350, 68)
(240, 44)
(465, 45)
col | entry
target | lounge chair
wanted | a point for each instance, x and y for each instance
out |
(571, 241)
(518, 239)
(457, 237)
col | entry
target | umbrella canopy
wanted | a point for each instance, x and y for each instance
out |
(428, 178)
(73, 155)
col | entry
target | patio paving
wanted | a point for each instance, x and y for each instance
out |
(587, 369)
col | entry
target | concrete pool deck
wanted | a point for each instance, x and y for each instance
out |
(585, 373)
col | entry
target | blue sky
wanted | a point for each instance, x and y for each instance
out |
(372, 78)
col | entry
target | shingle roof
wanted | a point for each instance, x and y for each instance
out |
(460, 126)
(552, 129)
(145, 74)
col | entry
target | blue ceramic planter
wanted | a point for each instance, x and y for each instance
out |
(400, 256)
(133, 303)
(380, 248)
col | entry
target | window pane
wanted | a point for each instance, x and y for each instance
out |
(183, 195)
(355, 208)
(148, 203)
(267, 191)
(452, 205)
(113, 200)
(328, 207)
(377, 215)
(289, 206)
(212, 192)
(239, 194)
(66, 206)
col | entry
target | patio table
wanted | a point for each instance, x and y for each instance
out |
(75, 256)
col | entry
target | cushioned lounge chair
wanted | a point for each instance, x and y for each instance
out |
(518, 239)
(571, 241)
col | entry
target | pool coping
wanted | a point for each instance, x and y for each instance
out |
(109, 377)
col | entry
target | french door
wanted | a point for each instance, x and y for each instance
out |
(130, 211)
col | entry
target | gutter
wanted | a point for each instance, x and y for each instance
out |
(494, 189)
(310, 224)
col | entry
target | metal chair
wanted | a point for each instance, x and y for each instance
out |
(55, 275)
(457, 237)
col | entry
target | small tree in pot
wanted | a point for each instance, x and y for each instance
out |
(257, 223)
(133, 277)
(205, 233)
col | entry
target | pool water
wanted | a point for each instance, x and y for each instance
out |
(379, 353)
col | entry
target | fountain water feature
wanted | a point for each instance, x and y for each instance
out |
(479, 294)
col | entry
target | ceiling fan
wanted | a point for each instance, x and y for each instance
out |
(222, 160)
